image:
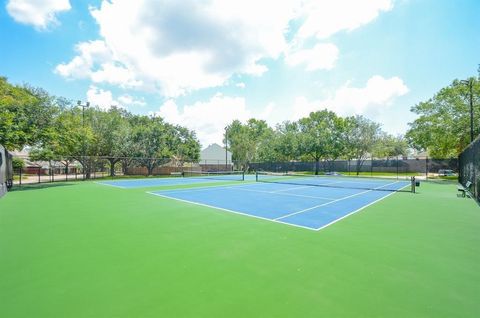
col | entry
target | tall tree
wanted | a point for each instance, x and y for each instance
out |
(320, 136)
(153, 138)
(360, 139)
(186, 145)
(246, 140)
(443, 125)
(112, 131)
(388, 146)
(288, 141)
(26, 115)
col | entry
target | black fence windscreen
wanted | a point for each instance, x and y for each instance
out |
(427, 167)
(29, 170)
(469, 172)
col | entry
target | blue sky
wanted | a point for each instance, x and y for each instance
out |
(204, 63)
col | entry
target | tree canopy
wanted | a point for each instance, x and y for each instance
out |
(322, 136)
(55, 129)
(443, 125)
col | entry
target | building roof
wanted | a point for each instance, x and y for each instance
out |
(215, 152)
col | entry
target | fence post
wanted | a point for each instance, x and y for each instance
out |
(474, 181)
(397, 167)
(20, 182)
(39, 171)
(426, 168)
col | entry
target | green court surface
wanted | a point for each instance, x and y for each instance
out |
(87, 250)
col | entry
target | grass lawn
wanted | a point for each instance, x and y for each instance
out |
(87, 250)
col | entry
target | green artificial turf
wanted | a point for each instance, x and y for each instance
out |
(87, 250)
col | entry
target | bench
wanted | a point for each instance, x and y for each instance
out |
(177, 174)
(463, 189)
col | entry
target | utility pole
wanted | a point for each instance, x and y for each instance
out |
(469, 82)
(226, 148)
(79, 103)
(472, 137)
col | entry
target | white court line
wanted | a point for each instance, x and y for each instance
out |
(286, 194)
(110, 185)
(278, 219)
(302, 187)
(337, 200)
(293, 188)
(239, 187)
(232, 211)
(205, 188)
(358, 210)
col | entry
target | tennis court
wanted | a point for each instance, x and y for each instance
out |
(128, 253)
(305, 201)
(188, 177)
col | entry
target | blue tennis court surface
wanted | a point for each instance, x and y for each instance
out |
(143, 183)
(306, 206)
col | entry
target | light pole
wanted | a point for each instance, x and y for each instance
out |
(470, 86)
(226, 147)
(469, 82)
(79, 103)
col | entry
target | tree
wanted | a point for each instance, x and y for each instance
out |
(443, 125)
(287, 144)
(320, 136)
(186, 145)
(112, 133)
(18, 163)
(239, 142)
(280, 144)
(247, 140)
(153, 138)
(66, 135)
(388, 146)
(19, 108)
(361, 136)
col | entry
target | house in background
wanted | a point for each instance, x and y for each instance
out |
(213, 158)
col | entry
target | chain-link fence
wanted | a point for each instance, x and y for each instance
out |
(469, 170)
(28, 170)
(426, 167)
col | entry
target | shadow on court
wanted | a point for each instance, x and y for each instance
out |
(39, 186)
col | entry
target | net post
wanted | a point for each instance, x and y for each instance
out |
(413, 184)
(243, 175)
(256, 176)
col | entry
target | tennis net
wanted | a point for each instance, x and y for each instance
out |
(216, 175)
(339, 181)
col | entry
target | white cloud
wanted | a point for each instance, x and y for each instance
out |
(95, 61)
(127, 100)
(175, 47)
(240, 85)
(210, 118)
(374, 98)
(268, 114)
(38, 13)
(322, 56)
(183, 46)
(104, 99)
(325, 18)
(101, 98)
